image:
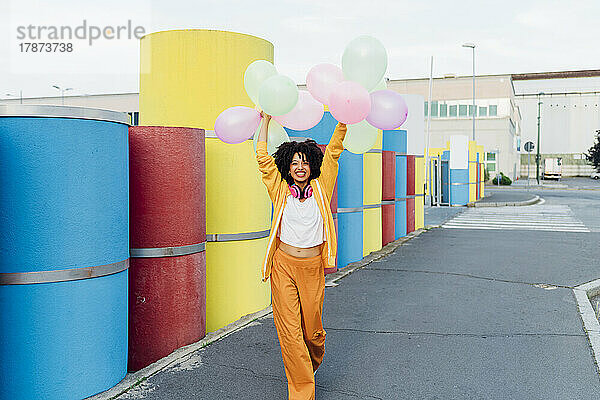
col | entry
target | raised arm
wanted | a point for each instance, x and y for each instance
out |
(329, 168)
(266, 164)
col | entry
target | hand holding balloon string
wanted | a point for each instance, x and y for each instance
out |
(262, 135)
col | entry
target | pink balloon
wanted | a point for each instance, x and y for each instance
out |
(307, 113)
(349, 102)
(388, 110)
(322, 79)
(237, 124)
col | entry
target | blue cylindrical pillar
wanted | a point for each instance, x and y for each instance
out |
(445, 178)
(398, 142)
(350, 208)
(64, 242)
(459, 170)
(459, 187)
(349, 192)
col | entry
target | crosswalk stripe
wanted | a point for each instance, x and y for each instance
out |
(552, 218)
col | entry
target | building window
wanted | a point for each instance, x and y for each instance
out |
(470, 110)
(426, 108)
(483, 111)
(453, 111)
(134, 117)
(493, 111)
(462, 110)
(490, 161)
(443, 110)
(434, 108)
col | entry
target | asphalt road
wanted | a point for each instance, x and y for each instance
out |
(451, 314)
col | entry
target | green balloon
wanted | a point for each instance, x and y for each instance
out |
(360, 137)
(365, 61)
(277, 95)
(255, 75)
(276, 135)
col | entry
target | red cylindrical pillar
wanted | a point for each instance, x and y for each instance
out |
(410, 193)
(388, 214)
(388, 193)
(477, 194)
(333, 205)
(388, 175)
(167, 281)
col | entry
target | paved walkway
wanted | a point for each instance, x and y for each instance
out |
(436, 216)
(445, 316)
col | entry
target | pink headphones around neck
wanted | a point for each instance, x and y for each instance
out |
(299, 193)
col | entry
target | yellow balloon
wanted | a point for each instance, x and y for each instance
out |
(360, 137)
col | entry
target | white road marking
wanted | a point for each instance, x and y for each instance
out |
(552, 218)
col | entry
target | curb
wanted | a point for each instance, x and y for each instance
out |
(134, 379)
(591, 326)
(506, 204)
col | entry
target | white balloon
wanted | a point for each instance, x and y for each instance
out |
(360, 137)
(276, 135)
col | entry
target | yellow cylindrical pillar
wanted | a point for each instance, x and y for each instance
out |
(187, 78)
(434, 152)
(372, 186)
(472, 170)
(419, 191)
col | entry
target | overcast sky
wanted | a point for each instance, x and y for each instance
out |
(511, 36)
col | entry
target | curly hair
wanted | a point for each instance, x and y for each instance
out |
(309, 149)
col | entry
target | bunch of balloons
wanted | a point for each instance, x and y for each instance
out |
(357, 94)
(278, 96)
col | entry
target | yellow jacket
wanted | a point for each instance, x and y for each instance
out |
(323, 186)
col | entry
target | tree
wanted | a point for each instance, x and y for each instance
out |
(593, 154)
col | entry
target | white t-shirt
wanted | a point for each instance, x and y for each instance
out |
(301, 223)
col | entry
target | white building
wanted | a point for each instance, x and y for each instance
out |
(497, 118)
(123, 102)
(569, 114)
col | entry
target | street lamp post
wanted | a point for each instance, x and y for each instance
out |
(472, 46)
(20, 95)
(62, 92)
(537, 155)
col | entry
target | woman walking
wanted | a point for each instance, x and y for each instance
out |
(300, 182)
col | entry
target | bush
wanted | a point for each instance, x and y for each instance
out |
(593, 154)
(505, 180)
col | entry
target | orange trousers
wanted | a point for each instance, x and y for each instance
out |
(298, 290)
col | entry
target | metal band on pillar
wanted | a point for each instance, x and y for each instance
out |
(62, 275)
(229, 237)
(349, 209)
(175, 251)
